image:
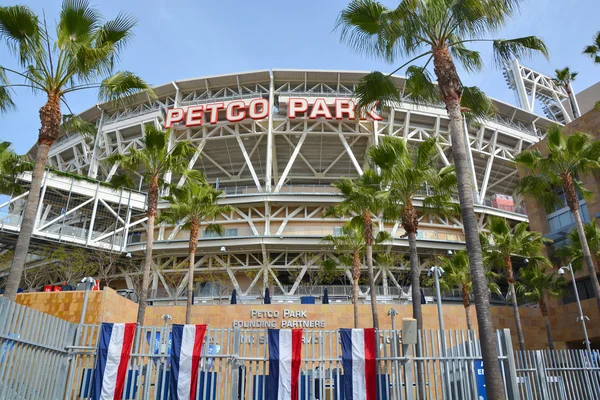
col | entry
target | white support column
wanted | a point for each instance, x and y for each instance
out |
(193, 160)
(573, 101)
(41, 202)
(290, 163)
(391, 119)
(270, 138)
(488, 168)
(520, 85)
(406, 125)
(470, 161)
(248, 161)
(93, 170)
(350, 153)
(267, 218)
(93, 218)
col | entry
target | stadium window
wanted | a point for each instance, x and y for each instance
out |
(337, 231)
(231, 232)
(210, 234)
(584, 288)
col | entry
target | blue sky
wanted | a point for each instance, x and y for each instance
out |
(177, 39)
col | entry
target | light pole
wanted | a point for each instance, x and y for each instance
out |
(89, 281)
(437, 273)
(561, 271)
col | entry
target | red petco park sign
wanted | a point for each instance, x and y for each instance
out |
(238, 110)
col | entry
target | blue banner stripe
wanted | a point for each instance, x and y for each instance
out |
(346, 336)
(273, 377)
(177, 336)
(105, 333)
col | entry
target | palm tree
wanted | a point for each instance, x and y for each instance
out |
(152, 162)
(406, 172)
(440, 30)
(535, 284)
(359, 198)
(82, 55)
(352, 240)
(457, 275)
(572, 253)
(593, 50)
(502, 243)
(192, 205)
(567, 158)
(564, 78)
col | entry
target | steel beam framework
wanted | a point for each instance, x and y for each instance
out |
(277, 172)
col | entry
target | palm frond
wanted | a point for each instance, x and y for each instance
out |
(121, 85)
(77, 23)
(360, 25)
(507, 49)
(420, 87)
(75, 124)
(374, 88)
(6, 102)
(116, 33)
(475, 103)
(20, 28)
(469, 59)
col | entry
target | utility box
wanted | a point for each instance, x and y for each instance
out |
(503, 202)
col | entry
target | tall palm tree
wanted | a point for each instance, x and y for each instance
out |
(406, 172)
(81, 55)
(564, 78)
(352, 240)
(502, 244)
(439, 30)
(535, 284)
(572, 252)
(359, 198)
(152, 162)
(192, 205)
(568, 157)
(593, 50)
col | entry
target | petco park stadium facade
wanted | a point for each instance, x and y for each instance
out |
(273, 141)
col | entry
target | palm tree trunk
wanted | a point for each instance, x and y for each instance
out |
(544, 310)
(467, 304)
(451, 92)
(515, 305)
(151, 213)
(369, 250)
(513, 295)
(50, 117)
(355, 277)
(468, 315)
(573, 203)
(190, 288)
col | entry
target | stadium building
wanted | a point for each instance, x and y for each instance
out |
(274, 141)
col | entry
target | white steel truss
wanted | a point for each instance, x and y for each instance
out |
(276, 172)
(531, 86)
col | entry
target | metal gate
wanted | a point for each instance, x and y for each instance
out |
(42, 357)
(558, 374)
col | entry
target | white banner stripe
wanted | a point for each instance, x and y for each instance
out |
(185, 362)
(359, 385)
(113, 359)
(284, 391)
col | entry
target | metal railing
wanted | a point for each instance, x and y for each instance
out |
(43, 357)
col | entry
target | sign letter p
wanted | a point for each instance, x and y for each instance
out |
(174, 115)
